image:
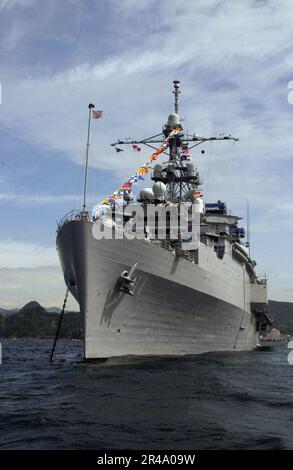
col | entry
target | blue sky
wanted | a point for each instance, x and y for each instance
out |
(234, 60)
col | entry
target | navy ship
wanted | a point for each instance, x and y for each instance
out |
(150, 295)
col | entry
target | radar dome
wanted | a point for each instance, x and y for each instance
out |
(173, 120)
(146, 193)
(159, 190)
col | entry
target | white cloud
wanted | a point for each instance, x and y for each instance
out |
(239, 43)
(30, 272)
(45, 285)
(15, 254)
(45, 199)
(10, 4)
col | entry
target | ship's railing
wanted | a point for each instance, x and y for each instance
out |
(73, 215)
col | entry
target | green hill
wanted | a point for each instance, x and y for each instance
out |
(282, 313)
(34, 321)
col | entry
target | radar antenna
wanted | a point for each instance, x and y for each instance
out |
(179, 174)
(176, 92)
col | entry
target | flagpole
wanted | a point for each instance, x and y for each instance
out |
(91, 106)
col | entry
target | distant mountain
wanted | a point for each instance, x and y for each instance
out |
(32, 307)
(282, 313)
(54, 310)
(34, 321)
(5, 311)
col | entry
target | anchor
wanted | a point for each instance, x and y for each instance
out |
(126, 281)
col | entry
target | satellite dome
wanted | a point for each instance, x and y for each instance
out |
(159, 190)
(146, 193)
(173, 120)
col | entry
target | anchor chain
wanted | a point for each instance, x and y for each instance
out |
(59, 324)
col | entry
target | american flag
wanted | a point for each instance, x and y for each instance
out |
(97, 114)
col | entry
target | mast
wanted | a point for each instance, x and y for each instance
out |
(176, 92)
(180, 175)
(90, 107)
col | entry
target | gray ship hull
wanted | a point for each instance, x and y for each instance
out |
(178, 308)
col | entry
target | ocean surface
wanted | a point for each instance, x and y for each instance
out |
(212, 401)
